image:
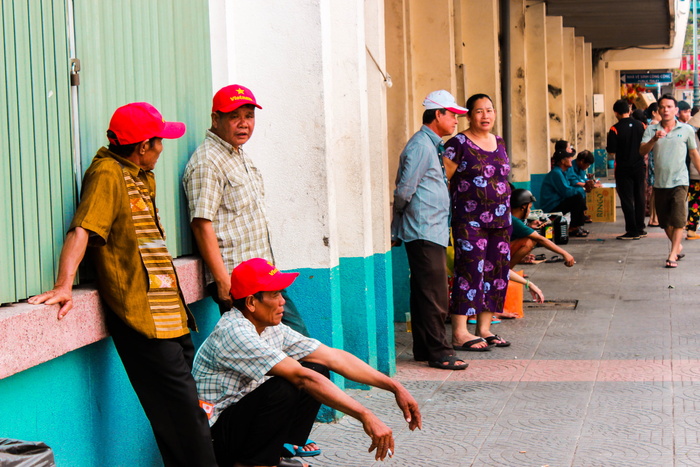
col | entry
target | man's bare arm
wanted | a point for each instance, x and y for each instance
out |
(72, 254)
(208, 245)
(323, 390)
(550, 245)
(352, 368)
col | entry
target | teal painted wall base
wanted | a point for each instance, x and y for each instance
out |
(523, 185)
(81, 404)
(358, 311)
(535, 185)
(401, 275)
(384, 299)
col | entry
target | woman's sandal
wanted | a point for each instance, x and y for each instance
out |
(494, 340)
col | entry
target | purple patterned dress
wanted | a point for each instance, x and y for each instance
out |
(481, 226)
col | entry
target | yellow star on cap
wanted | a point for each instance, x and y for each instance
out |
(240, 91)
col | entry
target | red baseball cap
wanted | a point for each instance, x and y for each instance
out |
(139, 121)
(258, 275)
(229, 98)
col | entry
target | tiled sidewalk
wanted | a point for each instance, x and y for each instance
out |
(615, 382)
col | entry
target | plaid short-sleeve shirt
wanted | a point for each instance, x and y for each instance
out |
(234, 360)
(224, 186)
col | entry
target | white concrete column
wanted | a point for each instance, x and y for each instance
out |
(555, 80)
(536, 74)
(519, 91)
(401, 124)
(588, 83)
(580, 98)
(478, 51)
(569, 88)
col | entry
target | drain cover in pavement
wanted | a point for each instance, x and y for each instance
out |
(551, 304)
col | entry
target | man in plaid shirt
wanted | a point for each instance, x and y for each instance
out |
(227, 198)
(262, 383)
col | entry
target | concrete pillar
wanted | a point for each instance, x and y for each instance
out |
(569, 88)
(477, 27)
(401, 124)
(518, 102)
(432, 51)
(555, 80)
(580, 98)
(536, 76)
(320, 143)
(420, 49)
(588, 93)
(380, 181)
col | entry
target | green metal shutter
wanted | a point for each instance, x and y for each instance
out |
(155, 51)
(38, 198)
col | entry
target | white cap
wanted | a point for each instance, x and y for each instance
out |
(442, 100)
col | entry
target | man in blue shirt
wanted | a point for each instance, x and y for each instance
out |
(557, 194)
(421, 219)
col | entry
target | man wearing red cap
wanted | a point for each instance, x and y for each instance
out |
(144, 307)
(264, 382)
(226, 198)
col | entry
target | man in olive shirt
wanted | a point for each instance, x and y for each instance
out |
(144, 307)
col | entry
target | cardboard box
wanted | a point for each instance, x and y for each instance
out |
(601, 204)
(644, 100)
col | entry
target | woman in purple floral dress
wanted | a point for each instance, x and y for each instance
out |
(477, 166)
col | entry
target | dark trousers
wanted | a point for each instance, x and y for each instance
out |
(291, 317)
(253, 430)
(160, 373)
(576, 205)
(429, 300)
(630, 182)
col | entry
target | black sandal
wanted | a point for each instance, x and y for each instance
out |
(451, 363)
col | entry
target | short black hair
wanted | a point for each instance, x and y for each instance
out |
(475, 97)
(586, 156)
(639, 115)
(125, 150)
(669, 98)
(430, 115)
(561, 145)
(560, 156)
(239, 303)
(621, 106)
(653, 107)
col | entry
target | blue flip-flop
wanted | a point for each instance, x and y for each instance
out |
(299, 451)
(493, 321)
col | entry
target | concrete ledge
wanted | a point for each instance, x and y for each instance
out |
(31, 334)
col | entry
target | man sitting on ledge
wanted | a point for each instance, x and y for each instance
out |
(262, 382)
(524, 238)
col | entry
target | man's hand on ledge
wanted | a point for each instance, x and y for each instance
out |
(61, 295)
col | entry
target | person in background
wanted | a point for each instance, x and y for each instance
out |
(684, 112)
(652, 117)
(524, 238)
(694, 188)
(557, 195)
(624, 139)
